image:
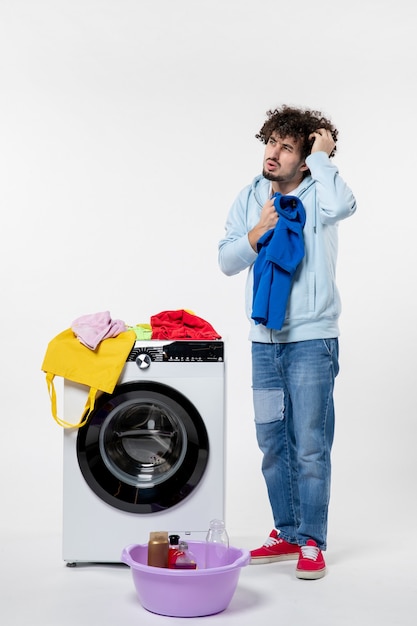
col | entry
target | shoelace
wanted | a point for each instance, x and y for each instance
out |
(272, 541)
(310, 552)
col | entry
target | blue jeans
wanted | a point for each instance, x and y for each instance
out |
(294, 416)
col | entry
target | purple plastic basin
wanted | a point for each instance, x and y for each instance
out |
(186, 593)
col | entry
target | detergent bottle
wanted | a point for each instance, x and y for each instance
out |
(184, 558)
(158, 549)
(173, 549)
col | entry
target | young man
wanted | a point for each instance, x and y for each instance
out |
(283, 227)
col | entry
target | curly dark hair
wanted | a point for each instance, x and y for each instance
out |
(289, 121)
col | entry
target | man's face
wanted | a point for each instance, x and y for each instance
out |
(282, 160)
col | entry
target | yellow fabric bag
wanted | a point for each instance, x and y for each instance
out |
(98, 369)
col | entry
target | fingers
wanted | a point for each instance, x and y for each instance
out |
(269, 216)
(321, 132)
(323, 141)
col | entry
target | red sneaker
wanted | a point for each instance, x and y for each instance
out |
(275, 549)
(311, 563)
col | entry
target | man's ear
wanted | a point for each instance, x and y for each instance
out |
(304, 167)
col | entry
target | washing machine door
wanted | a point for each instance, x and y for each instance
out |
(144, 448)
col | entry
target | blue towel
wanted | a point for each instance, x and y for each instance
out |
(280, 251)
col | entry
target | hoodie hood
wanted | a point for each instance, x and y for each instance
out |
(261, 188)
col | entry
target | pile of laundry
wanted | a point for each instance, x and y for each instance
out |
(98, 368)
(91, 329)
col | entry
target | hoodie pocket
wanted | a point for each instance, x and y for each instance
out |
(311, 291)
(302, 301)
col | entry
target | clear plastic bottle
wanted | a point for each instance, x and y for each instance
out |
(184, 559)
(217, 544)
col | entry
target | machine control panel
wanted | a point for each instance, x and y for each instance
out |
(177, 352)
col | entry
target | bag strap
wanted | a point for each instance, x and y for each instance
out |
(89, 405)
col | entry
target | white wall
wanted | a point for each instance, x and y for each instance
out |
(126, 130)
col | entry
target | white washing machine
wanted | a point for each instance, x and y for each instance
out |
(152, 454)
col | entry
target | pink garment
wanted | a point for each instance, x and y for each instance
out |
(91, 329)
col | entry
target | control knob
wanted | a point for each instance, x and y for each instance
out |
(143, 361)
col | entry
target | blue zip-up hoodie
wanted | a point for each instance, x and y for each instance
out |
(313, 307)
(280, 250)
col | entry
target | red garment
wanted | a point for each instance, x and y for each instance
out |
(181, 325)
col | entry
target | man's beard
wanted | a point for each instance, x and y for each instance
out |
(277, 178)
(271, 177)
(274, 177)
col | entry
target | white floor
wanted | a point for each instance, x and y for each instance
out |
(366, 584)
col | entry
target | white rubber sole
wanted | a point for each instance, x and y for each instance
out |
(306, 575)
(261, 560)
